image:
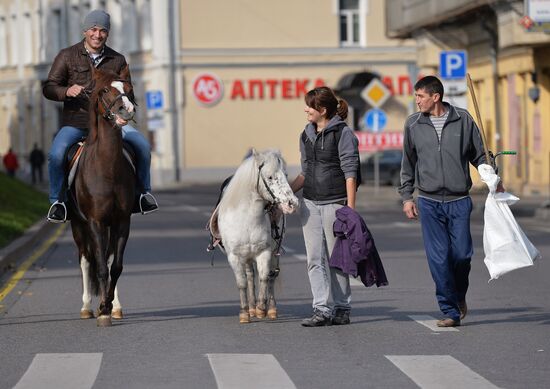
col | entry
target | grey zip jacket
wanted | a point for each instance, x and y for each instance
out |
(440, 169)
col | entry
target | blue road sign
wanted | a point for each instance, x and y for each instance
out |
(375, 120)
(452, 64)
(154, 99)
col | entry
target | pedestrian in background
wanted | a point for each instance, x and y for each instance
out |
(440, 142)
(329, 161)
(10, 163)
(37, 159)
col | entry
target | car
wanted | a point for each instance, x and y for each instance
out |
(389, 165)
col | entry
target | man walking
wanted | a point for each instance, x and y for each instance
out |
(440, 142)
(37, 159)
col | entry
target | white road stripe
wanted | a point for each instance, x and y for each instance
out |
(288, 250)
(179, 208)
(61, 371)
(430, 322)
(300, 257)
(355, 281)
(439, 371)
(236, 371)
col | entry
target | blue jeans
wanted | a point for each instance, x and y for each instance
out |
(69, 135)
(317, 222)
(448, 244)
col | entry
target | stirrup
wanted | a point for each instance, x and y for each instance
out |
(64, 212)
(148, 195)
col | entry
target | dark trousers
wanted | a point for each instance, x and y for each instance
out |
(36, 172)
(448, 244)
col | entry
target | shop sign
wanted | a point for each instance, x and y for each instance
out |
(272, 88)
(208, 89)
(369, 141)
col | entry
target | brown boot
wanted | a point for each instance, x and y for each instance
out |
(448, 322)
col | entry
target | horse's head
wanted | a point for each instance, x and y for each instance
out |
(273, 184)
(113, 92)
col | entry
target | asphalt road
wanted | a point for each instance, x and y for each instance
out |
(181, 327)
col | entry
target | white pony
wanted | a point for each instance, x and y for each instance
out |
(244, 226)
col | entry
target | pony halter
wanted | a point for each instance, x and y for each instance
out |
(109, 115)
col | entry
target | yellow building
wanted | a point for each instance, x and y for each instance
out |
(213, 78)
(509, 64)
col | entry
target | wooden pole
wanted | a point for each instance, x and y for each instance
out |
(479, 121)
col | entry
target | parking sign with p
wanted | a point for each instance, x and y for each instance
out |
(452, 64)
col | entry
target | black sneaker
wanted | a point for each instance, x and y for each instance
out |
(57, 213)
(317, 320)
(341, 317)
(147, 203)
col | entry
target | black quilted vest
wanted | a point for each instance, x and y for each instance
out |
(324, 178)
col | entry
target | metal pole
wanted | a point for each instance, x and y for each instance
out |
(478, 115)
(172, 89)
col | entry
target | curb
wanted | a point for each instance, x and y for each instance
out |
(11, 254)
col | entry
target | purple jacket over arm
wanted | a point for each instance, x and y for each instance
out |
(355, 252)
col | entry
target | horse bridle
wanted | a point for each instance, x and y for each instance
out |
(109, 115)
(260, 175)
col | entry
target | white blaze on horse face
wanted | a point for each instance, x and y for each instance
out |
(280, 187)
(120, 87)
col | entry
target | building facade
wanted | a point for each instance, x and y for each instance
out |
(212, 78)
(508, 50)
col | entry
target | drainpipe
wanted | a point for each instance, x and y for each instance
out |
(172, 89)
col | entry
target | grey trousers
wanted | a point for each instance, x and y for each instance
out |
(317, 222)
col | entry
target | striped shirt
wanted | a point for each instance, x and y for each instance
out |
(439, 122)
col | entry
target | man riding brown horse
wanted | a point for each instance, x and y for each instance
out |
(68, 81)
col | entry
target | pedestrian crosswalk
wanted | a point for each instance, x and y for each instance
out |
(235, 371)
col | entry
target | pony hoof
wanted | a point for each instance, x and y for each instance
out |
(252, 312)
(272, 314)
(244, 318)
(117, 314)
(86, 314)
(260, 313)
(104, 321)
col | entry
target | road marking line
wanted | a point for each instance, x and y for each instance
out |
(430, 322)
(12, 282)
(236, 371)
(300, 257)
(288, 250)
(437, 371)
(61, 371)
(355, 281)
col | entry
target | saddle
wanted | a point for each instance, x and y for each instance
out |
(72, 158)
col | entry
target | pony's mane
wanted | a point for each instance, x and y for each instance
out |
(246, 177)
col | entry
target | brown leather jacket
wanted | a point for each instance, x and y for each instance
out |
(73, 66)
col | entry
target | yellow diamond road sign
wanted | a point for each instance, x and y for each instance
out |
(375, 93)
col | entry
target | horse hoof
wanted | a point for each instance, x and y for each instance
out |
(104, 321)
(117, 314)
(244, 318)
(86, 314)
(252, 312)
(272, 314)
(260, 313)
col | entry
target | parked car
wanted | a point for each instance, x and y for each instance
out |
(389, 164)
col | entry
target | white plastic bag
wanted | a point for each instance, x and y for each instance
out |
(506, 246)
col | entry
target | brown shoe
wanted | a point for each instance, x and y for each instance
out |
(463, 308)
(448, 322)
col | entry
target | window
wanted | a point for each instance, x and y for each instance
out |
(3, 43)
(55, 25)
(145, 33)
(14, 41)
(26, 42)
(351, 22)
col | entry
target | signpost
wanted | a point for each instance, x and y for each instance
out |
(452, 70)
(155, 106)
(375, 120)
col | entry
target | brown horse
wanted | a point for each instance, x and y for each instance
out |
(104, 192)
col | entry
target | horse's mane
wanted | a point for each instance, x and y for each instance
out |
(246, 177)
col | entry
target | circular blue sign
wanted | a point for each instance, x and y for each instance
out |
(375, 120)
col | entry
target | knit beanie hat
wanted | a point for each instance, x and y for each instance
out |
(97, 18)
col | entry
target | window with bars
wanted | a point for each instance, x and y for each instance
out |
(350, 23)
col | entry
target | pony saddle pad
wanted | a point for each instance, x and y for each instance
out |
(72, 157)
